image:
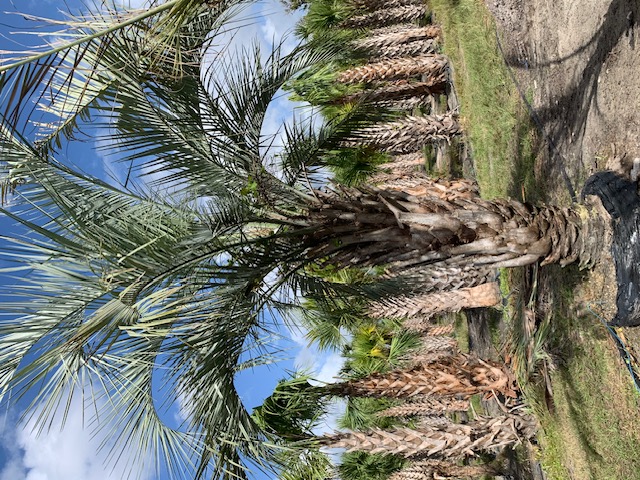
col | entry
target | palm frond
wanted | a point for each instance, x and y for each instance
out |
(164, 33)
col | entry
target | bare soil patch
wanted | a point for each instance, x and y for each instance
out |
(578, 61)
(578, 64)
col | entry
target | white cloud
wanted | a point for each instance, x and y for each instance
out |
(330, 368)
(69, 452)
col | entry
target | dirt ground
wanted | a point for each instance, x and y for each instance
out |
(578, 64)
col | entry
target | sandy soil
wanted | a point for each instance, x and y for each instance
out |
(579, 63)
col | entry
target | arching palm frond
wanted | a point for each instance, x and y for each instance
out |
(305, 464)
(361, 413)
(378, 347)
(69, 70)
(293, 409)
(121, 290)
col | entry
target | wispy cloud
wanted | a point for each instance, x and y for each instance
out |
(70, 453)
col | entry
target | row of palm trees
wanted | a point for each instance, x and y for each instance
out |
(431, 388)
(179, 280)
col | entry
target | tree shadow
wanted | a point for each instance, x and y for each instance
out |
(568, 116)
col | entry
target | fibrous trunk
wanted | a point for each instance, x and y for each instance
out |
(458, 375)
(408, 134)
(436, 343)
(370, 226)
(371, 5)
(426, 406)
(486, 295)
(432, 349)
(405, 442)
(397, 69)
(423, 325)
(417, 47)
(418, 183)
(407, 105)
(440, 469)
(390, 36)
(399, 90)
(400, 167)
(387, 16)
(449, 440)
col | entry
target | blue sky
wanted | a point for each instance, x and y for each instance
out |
(71, 453)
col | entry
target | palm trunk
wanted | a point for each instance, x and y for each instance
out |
(401, 166)
(420, 184)
(485, 295)
(426, 406)
(407, 105)
(415, 48)
(370, 226)
(490, 433)
(432, 349)
(409, 134)
(400, 161)
(439, 330)
(397, 69)
(459, 375)
(436, 343)
(424, 325)
(390, 36)
(444, 279)
(387, 16)
(372, 5)
(405, 442)
(438, 469)
(448, 440)
(399, 90)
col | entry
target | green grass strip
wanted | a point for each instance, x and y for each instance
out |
(496, 121)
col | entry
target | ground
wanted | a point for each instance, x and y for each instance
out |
(577, 64)
(578, 61)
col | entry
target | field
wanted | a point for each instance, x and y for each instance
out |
(552, 327)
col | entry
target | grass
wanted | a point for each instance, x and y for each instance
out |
(591, 431)
(589, 424)
(568, 367)
(495, 120)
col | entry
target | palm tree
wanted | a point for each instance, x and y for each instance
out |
(407, 49)
(398, 90)
(387, 16)
(397, 35)
(428, 305)
(447, 439)
(372, 5)
(433, 66)
(407, 134)
(458, 375)
(130, 283)
(133, 287)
